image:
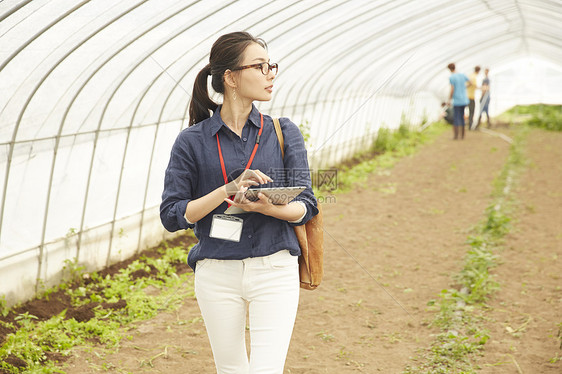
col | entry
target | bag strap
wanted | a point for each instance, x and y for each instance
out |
(279, 133)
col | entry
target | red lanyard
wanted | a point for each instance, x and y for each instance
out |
(251, 157)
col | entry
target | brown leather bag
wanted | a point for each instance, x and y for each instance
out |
(310, 237)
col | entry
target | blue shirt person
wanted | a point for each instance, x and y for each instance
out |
(459, 99)
(458, 81)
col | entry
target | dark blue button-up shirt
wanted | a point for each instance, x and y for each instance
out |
(194, 170)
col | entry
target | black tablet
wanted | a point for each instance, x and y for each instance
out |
(278, 196)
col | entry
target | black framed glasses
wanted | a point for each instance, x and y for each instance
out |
(265, 67)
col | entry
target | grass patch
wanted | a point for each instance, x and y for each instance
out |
(98, 308)
(548, 117)
(459, 309)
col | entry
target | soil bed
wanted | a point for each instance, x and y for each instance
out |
(391, 245)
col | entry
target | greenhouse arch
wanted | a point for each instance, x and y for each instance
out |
(93, 94)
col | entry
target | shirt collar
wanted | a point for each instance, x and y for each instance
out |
(217, 122)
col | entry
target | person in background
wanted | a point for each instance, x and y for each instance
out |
(447, 113)
(242, 262)
(485, 100)
(470, 91)
(459, 99)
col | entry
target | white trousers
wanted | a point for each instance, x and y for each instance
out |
(269, 286)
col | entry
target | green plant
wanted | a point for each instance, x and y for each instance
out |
(69, 234)
(73, 269)
(497, 222)
(548, 117)
(461, 335)
(385, 141)
(32, 344)
(25, 319)
(305, 131)
(4, 310)
(325, 336)
(404, 128)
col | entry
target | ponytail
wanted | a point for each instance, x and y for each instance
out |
(201, 103)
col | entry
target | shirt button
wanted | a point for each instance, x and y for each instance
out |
(250, 236)
(245, 139)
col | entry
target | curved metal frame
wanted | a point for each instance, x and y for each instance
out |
(98, 130)
(522, 27)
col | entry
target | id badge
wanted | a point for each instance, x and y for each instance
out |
(226, 227)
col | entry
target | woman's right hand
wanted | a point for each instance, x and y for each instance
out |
(248, 178)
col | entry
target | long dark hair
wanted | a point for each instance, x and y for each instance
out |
(226, 53)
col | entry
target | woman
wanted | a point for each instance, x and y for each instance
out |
(246, 261)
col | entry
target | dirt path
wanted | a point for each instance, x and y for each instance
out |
(410, 242)
(391, 246)
(524, 314)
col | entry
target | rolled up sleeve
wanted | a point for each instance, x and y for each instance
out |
(178, 186)
(296, 165)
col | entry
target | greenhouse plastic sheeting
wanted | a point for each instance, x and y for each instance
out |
(93, 94)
